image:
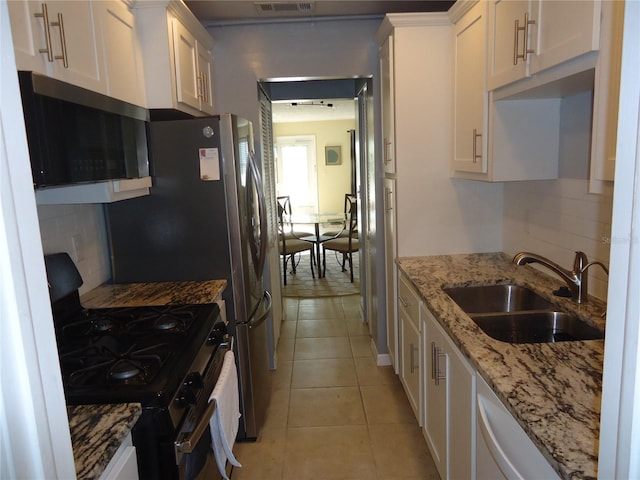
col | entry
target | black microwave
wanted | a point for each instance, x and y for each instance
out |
(79, 136)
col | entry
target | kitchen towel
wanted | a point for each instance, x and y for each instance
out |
(225, 419)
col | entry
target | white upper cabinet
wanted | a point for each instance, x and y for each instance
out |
(116, 26)
(58, 38)
(30, 43)
(178, 63)
(388, 106)
(205, 74)
(529, 36)
(565, 29)
(605, 97)
(470, 92)
(194, 67)
(507, 41)
(93, 45)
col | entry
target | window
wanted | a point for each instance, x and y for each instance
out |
(297, 173)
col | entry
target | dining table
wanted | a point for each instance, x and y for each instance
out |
(336, 221)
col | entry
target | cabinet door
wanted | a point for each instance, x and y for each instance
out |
(410, 335)
(565, 29)
(186, 66)
(410, 344)
(461, 405)
(390, 268)
(205, 76)
(470, 92)
(123, 64)
(28, 31)
(605, 97)
(77, 54)
(506, 43)
(388, 103)
(436, 393)
(123, 465)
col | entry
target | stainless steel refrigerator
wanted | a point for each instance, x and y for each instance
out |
(204, 219)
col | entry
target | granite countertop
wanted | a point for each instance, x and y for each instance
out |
(97, 431)
(156, 293)
(552, 389)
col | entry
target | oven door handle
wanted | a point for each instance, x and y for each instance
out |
(186, 442)
(186, 445)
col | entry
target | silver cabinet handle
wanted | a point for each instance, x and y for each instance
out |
(404, 303)
(413, 365)
(389, 195)
(47, 32)
(387, 151)
(63, 41)
(476, 155)
(436, 373)
(525, 30)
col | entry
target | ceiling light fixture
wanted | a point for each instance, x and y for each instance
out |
(312, 104)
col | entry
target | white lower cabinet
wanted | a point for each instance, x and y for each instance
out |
(449, 402)
(503, 449)
(468, 430)
(411, 363)
(123, 465)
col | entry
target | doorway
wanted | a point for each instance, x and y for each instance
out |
(296, 171)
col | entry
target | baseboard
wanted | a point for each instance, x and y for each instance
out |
(382, 359)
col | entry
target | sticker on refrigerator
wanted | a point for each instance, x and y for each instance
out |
(209, 164)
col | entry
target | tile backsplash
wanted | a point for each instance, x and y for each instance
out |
(555, 218)
(80, 231)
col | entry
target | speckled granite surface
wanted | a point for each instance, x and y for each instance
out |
(97, 431)
(552, 389)
(158, 293)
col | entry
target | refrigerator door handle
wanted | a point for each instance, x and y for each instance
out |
(262, 212)
(256, 322)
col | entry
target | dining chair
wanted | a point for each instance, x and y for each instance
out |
(288, 240)
(349, 199)
(346, 245)
(284, 214)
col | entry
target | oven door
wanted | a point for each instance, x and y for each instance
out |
(193, 450)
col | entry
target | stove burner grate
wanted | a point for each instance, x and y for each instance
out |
(103, 362)
(172, 318)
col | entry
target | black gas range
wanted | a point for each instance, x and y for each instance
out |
(167, 358)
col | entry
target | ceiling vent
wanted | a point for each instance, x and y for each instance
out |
(284, 7)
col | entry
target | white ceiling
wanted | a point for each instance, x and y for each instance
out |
(216, 11)
(313, 110)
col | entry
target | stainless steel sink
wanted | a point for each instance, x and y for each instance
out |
(497, 298)
(516, 314)
(536, 327)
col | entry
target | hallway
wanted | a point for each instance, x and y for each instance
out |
(333, 414)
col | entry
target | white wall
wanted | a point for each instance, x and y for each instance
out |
(59, 224)
(555, 218)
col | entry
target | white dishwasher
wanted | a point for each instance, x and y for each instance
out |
(503, 449)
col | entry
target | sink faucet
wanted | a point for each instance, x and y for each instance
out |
(575, 279)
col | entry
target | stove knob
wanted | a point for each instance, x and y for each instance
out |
(194, 380)
(188, 393)
(186, 397)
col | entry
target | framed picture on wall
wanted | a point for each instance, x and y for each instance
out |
(333, 155)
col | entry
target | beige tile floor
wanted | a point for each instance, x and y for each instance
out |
(333, 413)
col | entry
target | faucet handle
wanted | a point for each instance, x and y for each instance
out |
(580, 262)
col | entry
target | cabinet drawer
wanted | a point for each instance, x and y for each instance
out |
(408, 301)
